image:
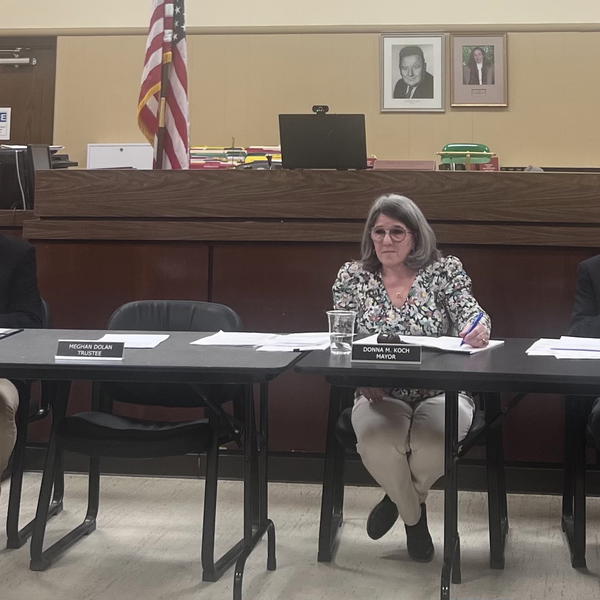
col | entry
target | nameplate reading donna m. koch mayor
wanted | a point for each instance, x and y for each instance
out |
(89, 350)
(386, 353)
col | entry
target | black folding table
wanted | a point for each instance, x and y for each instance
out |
(505, 368)
(30, 354)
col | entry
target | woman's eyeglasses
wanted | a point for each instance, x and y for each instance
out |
(397, 234)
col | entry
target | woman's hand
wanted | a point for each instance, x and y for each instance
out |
(478, 338)
(372, 394)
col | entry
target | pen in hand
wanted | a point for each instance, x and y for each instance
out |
(473, 325)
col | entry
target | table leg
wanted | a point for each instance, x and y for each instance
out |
(573, 512)
(18, 537)
(263, 476)
(51, 488)
(451, 565)
(256, 521)
(332, 496)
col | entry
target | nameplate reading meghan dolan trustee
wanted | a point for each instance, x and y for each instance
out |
(386, 353)
(89, 350)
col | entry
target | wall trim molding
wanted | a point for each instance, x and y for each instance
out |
(455, 28)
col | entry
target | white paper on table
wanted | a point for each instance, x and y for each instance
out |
(541, 347)
(568, 342)
(444, 342)
(447, 343)
(292, 348)
(235, 338)
(297, 342)
(305, 337)
(136, 340)
(577, 354)
(566, 347)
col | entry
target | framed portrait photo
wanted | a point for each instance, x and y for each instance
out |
(412, 72)
(478, 71)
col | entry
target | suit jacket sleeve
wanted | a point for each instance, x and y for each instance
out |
(585, 321)
(24, 306)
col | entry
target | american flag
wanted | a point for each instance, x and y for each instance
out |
(163, 108)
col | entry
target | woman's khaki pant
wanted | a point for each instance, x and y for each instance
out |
(9, 402)
(402, 445)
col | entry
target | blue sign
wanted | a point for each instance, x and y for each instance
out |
(3, 117)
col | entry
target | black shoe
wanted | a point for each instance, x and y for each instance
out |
(418, 540)
(381, 518)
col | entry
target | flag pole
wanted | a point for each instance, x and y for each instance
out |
(167, 60)
(160, 132)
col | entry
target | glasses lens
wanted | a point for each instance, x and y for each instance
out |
(396, 235)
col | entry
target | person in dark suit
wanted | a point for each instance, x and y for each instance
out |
(585, 321)
(415, 82)
(20, 307)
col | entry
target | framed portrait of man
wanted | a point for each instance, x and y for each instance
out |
(478, 71)
(412, 72)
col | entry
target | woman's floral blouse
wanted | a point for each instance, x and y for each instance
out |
(438, 303)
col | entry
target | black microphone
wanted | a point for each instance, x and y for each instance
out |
(388, 338)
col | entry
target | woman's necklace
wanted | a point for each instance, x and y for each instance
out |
(400, 296)
(399, 292)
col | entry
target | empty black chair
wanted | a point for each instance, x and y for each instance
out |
(29, 412)
(342, 439)
(100, 432)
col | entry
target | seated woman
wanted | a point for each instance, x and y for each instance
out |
(403, 285)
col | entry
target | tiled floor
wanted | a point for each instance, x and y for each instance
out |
(147, 545)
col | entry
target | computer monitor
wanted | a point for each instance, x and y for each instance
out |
(40, 156)
(14, 180)
(38, 159)
(323, 141)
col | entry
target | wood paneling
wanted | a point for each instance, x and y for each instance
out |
(277, 287)
(29, 90)
(469, 196)
(85, 282)
(299, 231)
(14, 218)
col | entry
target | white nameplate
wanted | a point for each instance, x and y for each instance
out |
(89, 350)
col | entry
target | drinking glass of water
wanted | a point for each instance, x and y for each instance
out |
(341, 330)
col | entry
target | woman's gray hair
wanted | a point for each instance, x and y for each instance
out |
(403, 209)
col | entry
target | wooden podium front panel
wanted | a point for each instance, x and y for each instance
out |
(279, 287)
(84, 282)
(284, 288)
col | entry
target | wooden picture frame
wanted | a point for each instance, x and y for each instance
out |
(419, 84)
(478, 70)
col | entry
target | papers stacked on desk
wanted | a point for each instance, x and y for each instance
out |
(566, 347)
(297, 342)
(268, 342)
(136, 340)
(447, 343)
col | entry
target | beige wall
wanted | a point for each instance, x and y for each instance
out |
(64, 15)
(240, 83)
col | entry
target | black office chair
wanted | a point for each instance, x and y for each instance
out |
(341, 439)
(101, 433)
(582, 429)
(29, 412)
